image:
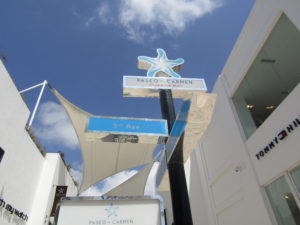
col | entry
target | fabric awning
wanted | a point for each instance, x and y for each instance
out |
(134, 186)
(102, 159)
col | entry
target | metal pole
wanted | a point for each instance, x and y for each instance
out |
(180, 199)
(28, 89)
(37, 102)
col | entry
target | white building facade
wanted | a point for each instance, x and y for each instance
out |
(28, 180)
(246, 168)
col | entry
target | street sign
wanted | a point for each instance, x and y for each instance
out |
(126, 130)
(127, 126)
(175, 134)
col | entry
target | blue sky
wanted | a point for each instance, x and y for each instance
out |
(83, 49)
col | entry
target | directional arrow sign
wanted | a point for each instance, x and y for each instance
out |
(128, 126)
(176, 132)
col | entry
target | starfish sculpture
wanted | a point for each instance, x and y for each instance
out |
(161, 64)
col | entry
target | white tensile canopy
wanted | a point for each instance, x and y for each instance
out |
(134, 186)
(103, 159)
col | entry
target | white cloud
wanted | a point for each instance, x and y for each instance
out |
(77, 175)
(75, 13)
(76, 172)
(103, 13)
(145, 18)
(89, 21)
(55, 126)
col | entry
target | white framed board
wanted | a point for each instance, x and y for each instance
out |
(108, 210)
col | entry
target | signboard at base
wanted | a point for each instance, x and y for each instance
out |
(110, 210)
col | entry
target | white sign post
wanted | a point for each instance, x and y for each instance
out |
(164, 82)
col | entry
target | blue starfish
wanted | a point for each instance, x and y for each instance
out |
(161, 64)
(111, 211)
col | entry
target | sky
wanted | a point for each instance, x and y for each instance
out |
(84, 48)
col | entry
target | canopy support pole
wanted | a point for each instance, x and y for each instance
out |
(43, 84)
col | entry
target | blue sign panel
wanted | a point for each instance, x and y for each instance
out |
(128, 126)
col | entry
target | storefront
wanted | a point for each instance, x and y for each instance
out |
(248, 161)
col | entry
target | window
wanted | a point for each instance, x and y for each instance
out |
(1, 154)
(295, 175)
(273, 75)
(284, 201)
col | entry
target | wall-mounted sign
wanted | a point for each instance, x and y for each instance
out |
(61, 191)
(12, 211)
(128, 126)
(110, 211)
(278, 138)
(164, 83)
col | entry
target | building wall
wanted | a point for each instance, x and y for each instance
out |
(54, 173)
(232, 179)
(199, 201)
(26, 176)
(234, 197)
(285, 154)
(20, 168)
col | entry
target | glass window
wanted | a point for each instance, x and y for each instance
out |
(1, 154)
(273, 75)
(295, 174)
(283, 202)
